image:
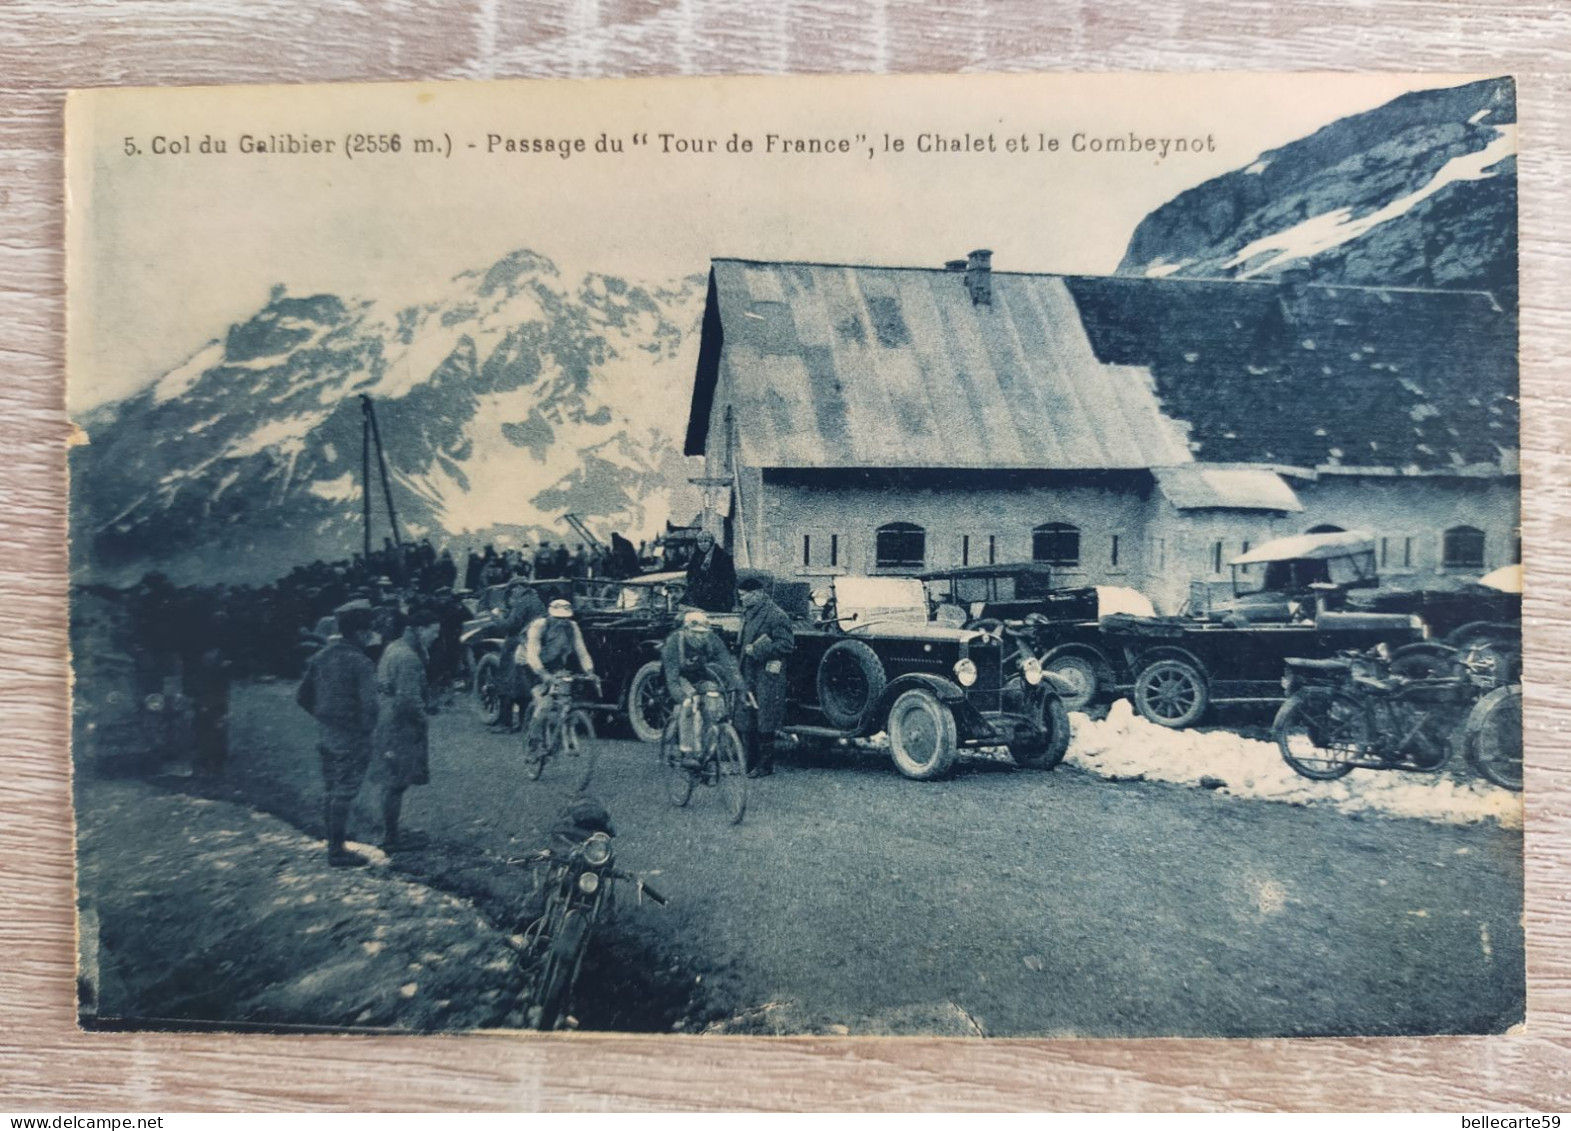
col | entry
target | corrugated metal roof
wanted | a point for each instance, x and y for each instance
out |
(844, 366)
(1198, 486)
(834, 366)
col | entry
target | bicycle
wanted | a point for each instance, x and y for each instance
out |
(557, 727)
(719, 760)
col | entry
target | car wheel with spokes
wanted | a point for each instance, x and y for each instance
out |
(1079, 676)
(648, 705)
(488, 688)
(1172, 693)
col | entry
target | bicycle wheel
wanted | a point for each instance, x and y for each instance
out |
(542, 737)
(578, 739)
(1321, 733)
(1494, 737)
(731, 769)
(678, 777)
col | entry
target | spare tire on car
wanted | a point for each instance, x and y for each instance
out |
(851, 680)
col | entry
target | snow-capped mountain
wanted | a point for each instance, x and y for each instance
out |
(507, 399)
(1418, 192)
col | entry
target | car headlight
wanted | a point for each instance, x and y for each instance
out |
(154, 702)
(597, 850)
(1419, 623)
(589, 882)
(965, 672)
(1287, 684)
(1031, 668)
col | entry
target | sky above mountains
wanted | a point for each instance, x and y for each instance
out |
(165, 252)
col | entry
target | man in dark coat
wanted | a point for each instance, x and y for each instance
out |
(622, 561)
(401, 749)
(711, 577)
(339, 690)
(445, 573)
(545, 563)
(524, 607)
(766, 640)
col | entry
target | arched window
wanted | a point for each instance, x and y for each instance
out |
(1463, 548)
(1057, 543)
(901, 545)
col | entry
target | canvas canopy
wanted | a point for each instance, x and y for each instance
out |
(1314, 547)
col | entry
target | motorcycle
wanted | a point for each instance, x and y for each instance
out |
(579, 888)
(1371, 710)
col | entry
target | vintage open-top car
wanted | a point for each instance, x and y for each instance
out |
(1290, 579)
(1289, 598)
(1062, 626)
(868, 659)
(1286, 598)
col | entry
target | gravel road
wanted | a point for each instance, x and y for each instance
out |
(1002, 902)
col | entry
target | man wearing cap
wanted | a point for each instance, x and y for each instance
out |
(339, 691)
(553, 644)
(691, 655)
(766, 640)
(402, 745)
(523, 609)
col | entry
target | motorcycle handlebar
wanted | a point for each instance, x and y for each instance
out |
(643, 887)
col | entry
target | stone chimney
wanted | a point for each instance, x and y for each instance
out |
(954, 266)
(979, 277)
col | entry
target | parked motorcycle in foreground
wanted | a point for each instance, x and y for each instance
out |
(579, 888)
(1360, 711)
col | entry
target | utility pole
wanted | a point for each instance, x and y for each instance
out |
(371, 435)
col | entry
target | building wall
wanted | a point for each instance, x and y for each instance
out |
(1161, 550)
(1408, 515)
(965, 524)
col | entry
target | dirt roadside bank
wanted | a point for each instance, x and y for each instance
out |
(208, 911)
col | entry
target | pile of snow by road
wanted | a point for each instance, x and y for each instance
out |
(1124, 745)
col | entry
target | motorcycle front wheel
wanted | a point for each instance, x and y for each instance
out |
(1321, 733)
(1494, 737)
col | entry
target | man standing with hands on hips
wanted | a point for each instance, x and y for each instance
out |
(766, 640)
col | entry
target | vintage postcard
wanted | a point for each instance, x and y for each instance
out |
(968, 556)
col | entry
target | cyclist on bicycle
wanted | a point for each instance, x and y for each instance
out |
(552, 646)
(694, 655)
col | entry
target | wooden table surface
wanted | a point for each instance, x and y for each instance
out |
(48, 46)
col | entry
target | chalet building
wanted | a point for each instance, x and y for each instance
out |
(1131, 431)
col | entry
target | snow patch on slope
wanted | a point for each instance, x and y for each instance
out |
(184, 377)
(1331, 229)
